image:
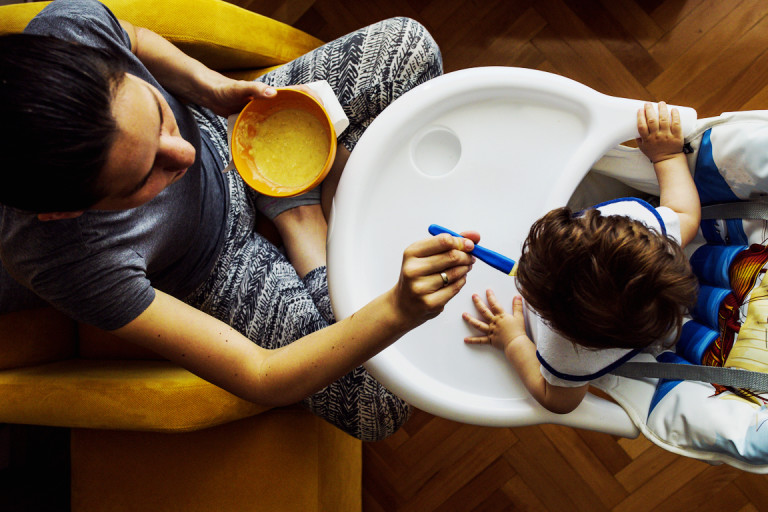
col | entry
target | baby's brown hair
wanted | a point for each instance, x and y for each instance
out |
(605, 281)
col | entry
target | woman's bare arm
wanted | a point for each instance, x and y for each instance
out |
(218, 353)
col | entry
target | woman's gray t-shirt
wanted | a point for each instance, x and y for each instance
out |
(101, 267)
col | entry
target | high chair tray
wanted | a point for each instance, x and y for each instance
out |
(489, 149)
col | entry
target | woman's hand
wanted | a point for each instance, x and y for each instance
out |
(433, 271)
(499, 328)
(229, 96)
(226, 96)
(661, 135)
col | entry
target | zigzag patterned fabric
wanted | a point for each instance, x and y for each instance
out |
(253, 286)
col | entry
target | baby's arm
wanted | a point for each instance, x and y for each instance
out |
(661, 139)
(507, 333)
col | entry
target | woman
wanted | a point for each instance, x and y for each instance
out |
(115, 211)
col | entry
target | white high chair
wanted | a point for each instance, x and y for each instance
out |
(490, 149)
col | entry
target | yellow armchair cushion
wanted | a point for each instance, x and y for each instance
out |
(221, 35)
(129, 395)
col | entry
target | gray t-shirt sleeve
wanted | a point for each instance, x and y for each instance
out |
(83, 21)
(63, 263)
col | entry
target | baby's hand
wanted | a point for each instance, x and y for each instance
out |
(499, 328)
(661, 136)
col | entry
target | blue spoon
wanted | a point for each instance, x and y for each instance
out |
(492, 258)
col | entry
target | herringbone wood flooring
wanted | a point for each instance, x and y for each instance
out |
(707, 54)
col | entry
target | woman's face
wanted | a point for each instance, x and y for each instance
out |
(148, 154)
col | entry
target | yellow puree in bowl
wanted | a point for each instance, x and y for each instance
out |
(290, 148)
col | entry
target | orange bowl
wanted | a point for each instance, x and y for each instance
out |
(284, 145)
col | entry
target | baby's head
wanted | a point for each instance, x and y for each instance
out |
(605, 281)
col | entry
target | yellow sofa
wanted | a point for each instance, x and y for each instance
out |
(145, 433)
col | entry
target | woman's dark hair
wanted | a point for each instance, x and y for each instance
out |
(57, 124)
(605, 281)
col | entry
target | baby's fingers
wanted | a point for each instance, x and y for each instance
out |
(478, 340)
(493, 302)
(475, 323)
(651, 118)
(517, 305)
(676, 126)
(642, 124)
(481, 307)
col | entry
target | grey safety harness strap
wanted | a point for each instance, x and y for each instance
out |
(732, 377)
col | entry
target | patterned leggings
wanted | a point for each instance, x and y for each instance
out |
(253, 287)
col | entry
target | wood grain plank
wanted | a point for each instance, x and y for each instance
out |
(755, 487)
(606, 448)
(561, 58)
(635, 447)
(459, 445)
(542, 466)
(521, 30)
(480, 488)
(690, 30)
(647, 465)
(757, 102)
(440, 11)
(500, 29)
(718, 43)
(663, 484)
(629, 52)
(712, 490)
(454, 476)
(635, 21)
(595, 59)
(608, 490)
(494, 503)
(739, 91)
(669, 13)
(522, 496)
(706, 88)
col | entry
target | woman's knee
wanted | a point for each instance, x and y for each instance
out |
(417, 42)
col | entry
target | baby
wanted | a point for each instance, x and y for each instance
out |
(602, 284)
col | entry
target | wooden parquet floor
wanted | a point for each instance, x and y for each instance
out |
(707, 54)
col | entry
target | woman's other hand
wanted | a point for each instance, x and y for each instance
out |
(227, 96)
(230, 96)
